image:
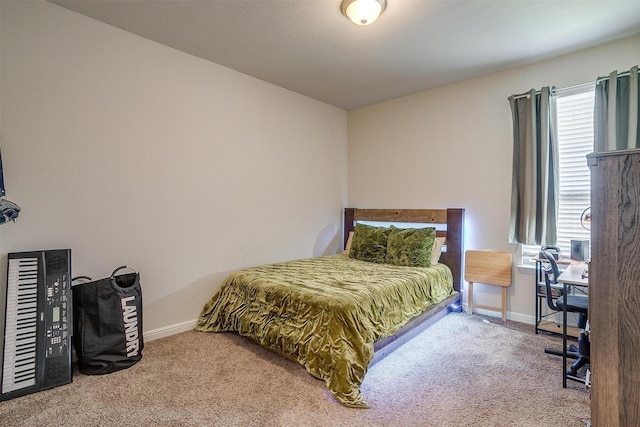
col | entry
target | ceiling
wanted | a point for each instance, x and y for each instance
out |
(309, 47)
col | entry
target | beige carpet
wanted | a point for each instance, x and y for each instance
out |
(462, 371)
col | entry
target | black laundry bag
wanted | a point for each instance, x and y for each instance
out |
(107, 322)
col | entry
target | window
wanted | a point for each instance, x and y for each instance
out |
(575, 141)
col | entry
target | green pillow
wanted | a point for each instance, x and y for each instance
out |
(410, 247)
(369, 243)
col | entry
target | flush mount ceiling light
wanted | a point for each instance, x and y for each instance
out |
(363, 12)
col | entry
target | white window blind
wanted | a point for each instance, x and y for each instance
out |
(575, 141)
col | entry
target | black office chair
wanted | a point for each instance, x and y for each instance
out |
(575, 304)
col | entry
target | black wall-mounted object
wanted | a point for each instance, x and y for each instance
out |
(9, 211)
(2, 192)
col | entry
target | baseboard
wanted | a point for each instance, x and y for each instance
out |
(177, 328)
(166, 331)
(516, 317)
(522, 318)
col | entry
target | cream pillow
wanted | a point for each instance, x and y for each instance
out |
(436, 250)
(347, 247)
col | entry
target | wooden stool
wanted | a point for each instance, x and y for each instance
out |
(490, 268)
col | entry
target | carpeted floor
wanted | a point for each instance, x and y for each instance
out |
(463, 371)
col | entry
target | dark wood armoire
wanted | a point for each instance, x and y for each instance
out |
(614, 288)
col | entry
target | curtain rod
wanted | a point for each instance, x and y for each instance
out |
(623, 74)
(526, 95)
(554, 91)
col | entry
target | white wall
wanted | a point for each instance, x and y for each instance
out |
(130, 152)
(127, 151)
(452, 147)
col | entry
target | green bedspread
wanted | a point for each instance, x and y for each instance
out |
(325, 312)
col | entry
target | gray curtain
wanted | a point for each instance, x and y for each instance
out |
(534, 187)
(616, 113)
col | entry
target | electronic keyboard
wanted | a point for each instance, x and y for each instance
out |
(38, 325)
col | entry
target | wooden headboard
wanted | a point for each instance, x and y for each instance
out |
(452, 218)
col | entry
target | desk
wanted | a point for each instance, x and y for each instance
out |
(572, 275)
(543, 322)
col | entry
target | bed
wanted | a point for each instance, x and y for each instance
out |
(337, 315)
